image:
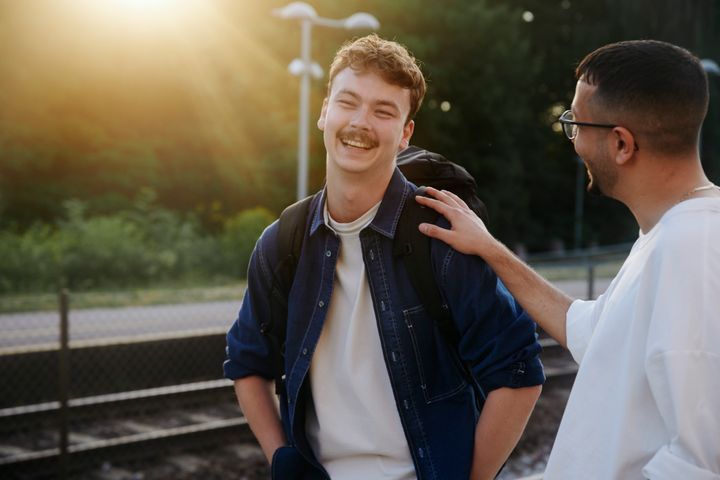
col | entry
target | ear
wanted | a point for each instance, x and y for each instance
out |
(323, 111)
(408, 130)
(623, 145)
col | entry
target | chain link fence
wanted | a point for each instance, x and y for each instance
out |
(75, 380)
(90, 379)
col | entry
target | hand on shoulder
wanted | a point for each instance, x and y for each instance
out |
(468, 234)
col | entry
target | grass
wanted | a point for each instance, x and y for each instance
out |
(579, 272)
(221, 290)
(167, 294)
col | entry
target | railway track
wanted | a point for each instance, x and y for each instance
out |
(125, 426)
(147, 423)
(140, 401)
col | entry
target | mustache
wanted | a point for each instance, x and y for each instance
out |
(357, 135)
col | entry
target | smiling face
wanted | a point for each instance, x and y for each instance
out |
(363, 123)
(591, 143)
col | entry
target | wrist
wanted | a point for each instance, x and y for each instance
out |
(491, 249)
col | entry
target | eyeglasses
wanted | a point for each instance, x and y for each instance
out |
(570, 126)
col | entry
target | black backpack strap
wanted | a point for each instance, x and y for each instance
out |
(414, 247)
(292, 227)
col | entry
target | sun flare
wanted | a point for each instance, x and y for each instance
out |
(145, 6)
(150, 12)
(139, 65)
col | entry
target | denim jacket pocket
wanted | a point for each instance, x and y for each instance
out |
(440, 376)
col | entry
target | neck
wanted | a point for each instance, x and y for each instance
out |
(657, 190)
(351, 195)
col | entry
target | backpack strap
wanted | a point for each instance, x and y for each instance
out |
(414, 247)
(409, 242)
(292, 227)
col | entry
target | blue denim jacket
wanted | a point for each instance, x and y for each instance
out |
(436, 404)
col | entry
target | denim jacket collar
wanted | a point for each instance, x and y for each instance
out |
(388, 215)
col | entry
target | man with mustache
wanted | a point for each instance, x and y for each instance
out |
(646, 396)
(372, 390)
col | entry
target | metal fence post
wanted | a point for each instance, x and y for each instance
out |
(591, 279)
(63, 381)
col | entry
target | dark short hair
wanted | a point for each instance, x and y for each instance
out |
(660, 88)
(389, 59)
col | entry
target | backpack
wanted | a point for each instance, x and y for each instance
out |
(421, 167)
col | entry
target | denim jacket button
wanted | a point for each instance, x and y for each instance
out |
(321, 304)
(328, 253)
(304, 351)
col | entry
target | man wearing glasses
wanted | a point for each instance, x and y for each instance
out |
(645, 399)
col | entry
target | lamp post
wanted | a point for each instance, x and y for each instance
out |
(305, 68)
(710, 66)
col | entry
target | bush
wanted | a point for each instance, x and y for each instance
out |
(105, 251)
(132, 248)
(238, 239)
(174, 240)
(30, 261)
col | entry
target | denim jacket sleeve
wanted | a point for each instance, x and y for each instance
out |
(497, 337)
(248, 351)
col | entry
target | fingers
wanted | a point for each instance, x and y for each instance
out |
(441, 195)
(434, 231)
(461, 203)
(437, 205)
(447, 197)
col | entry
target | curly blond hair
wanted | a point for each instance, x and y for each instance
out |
(391, 60)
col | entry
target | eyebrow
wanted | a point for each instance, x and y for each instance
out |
(387, 103)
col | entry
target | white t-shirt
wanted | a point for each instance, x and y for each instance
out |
(646, 399)
(353, 425)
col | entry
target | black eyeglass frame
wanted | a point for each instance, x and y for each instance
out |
(565, 121)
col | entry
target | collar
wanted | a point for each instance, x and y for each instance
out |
(388, 215)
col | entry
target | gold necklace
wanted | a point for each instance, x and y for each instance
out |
(695, 190)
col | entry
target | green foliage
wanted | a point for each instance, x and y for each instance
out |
(141, 246)
(210, 125)
(30, 261)
(239, 236)
(102, 250)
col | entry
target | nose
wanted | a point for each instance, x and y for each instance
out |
(360, 118)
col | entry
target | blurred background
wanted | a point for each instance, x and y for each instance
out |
(155, 138)
(145, 144)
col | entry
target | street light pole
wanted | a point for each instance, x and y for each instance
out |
(710, 66)
(304, 115)
(304, 67)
